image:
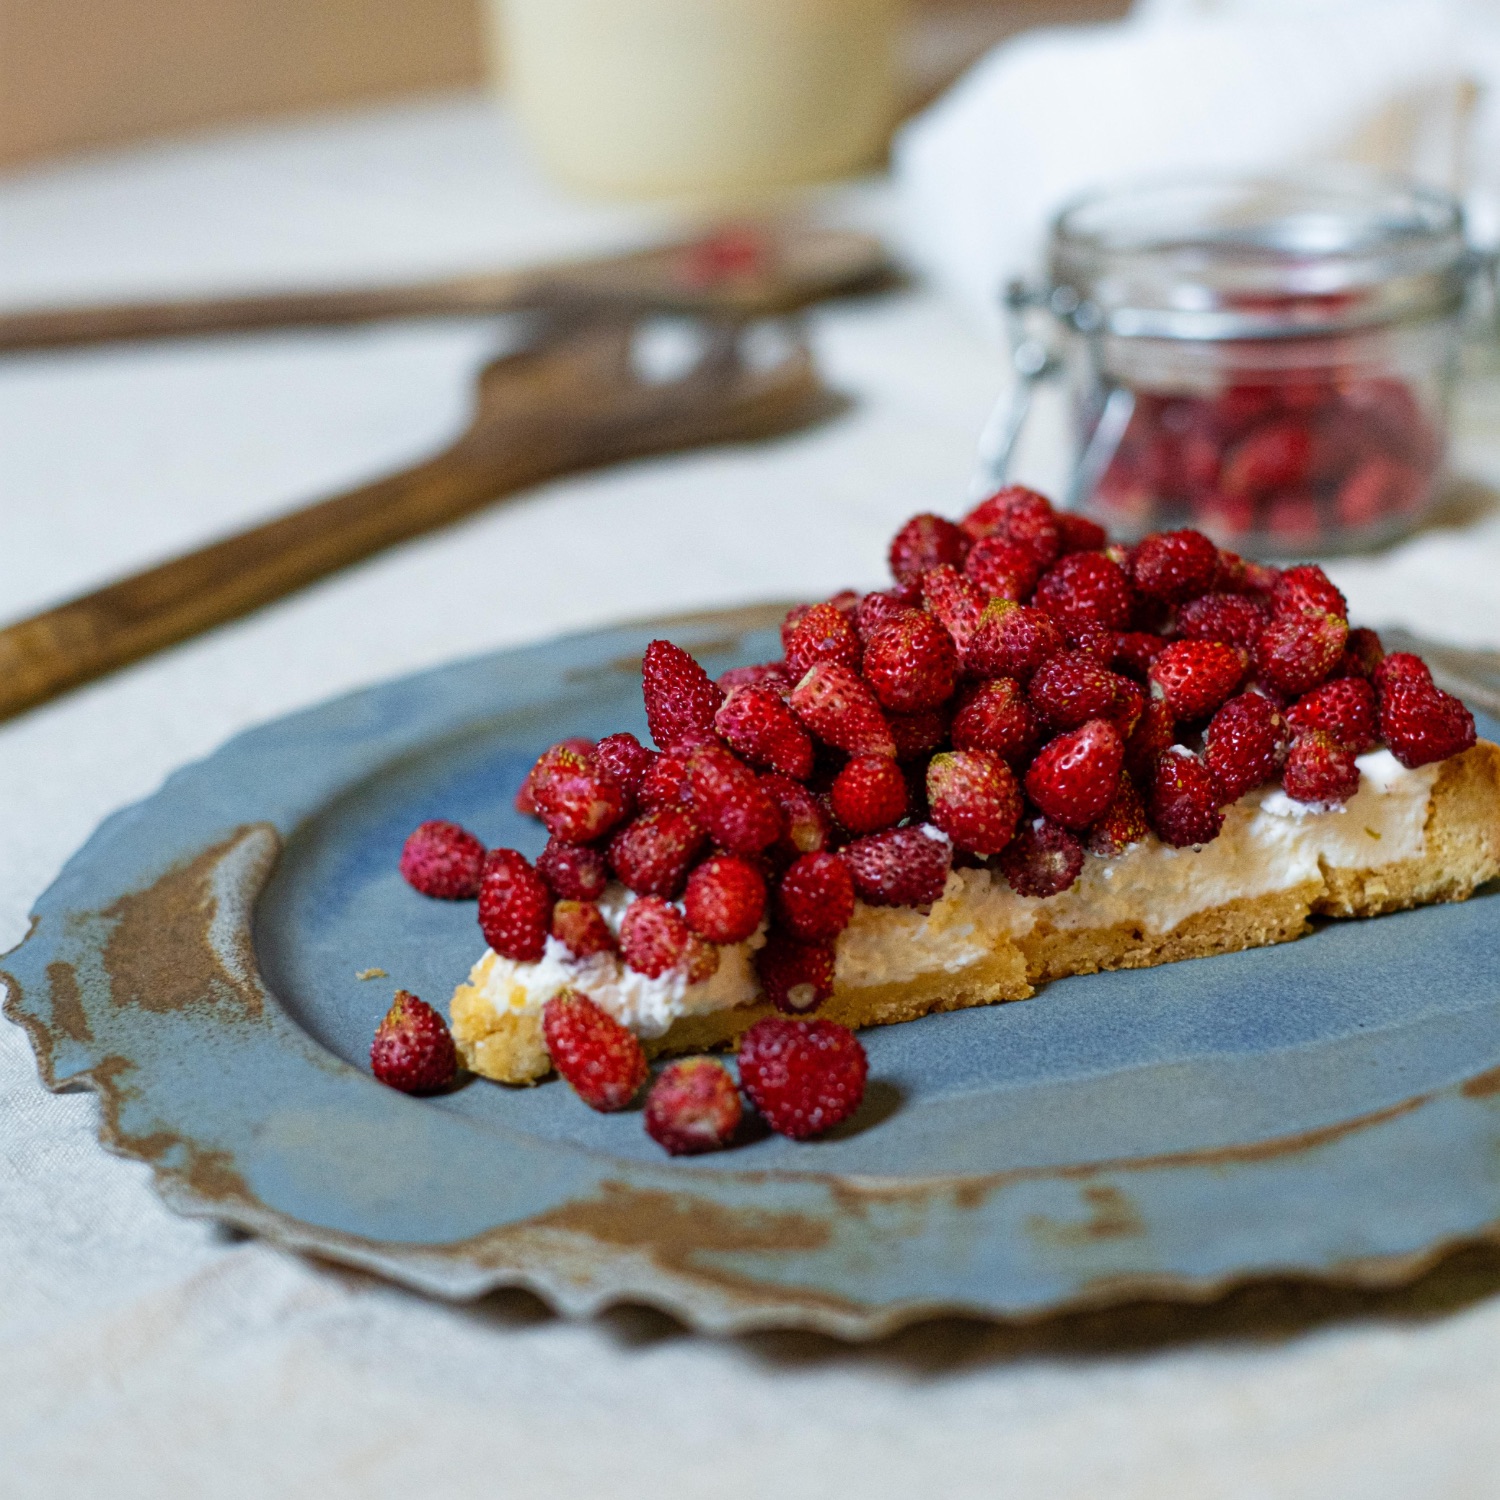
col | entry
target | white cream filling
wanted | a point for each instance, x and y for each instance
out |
(1269, 843)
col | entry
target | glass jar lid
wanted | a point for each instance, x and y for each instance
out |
(1255, 258)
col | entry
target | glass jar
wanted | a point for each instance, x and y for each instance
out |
(1269, 361)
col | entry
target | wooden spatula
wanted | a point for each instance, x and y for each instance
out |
(574, 400)
(748, 271)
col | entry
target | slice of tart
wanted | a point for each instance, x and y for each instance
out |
(1036, 755)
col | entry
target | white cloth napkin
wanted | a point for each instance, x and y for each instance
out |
(1409, 86)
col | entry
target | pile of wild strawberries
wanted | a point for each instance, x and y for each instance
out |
(1295, 459)
(1024, 696)
(804, 1076)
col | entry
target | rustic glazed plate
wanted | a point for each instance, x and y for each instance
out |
(1328, 1109)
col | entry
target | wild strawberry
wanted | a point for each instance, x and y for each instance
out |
(1276, 455)
(681, 698)
(804, 1077)
(880, 609)
(815, 899)
(1019, 515)
(602, 1061)
(1075, 776)
(791, 620)
(900, 867)
(577, 801)
(868, 794)
(1363, 652)
(580, 927)
(1344, 709)
(1401, 667)
(1079, 534)
(771, 675)
(1195, 677)
(1420, 722)
(567, 758)
(839, 708)
(919, 733)
(1244, 744)
(1087, 586)
(997, 717)
(1070, 688)
(1186, 802)
(664, 783)
(1319, 769)
(442, 860)
(1123, 822)
(1235, 619)
(652, 853)
(1012, 640)
(1308, 588)
(974, 799)
(1297, 651)
(1237, 575)
(413, 1050)
(515, 906)
(1096, 641)
(926, 541)
(1002, 568)
(796, 977)
(1231, 574)
(954, 601)
(1042, 860)
(730, 802)
(725, 899)
(693, 1107)
(525, 800)
(824, 633)
(624, 760)
(988, 517)
(1130, 703)
(575, 872)
(1154, 732)
(765, 731)
(911, 664)
(1174, 566)
(1030, 520)
(1260, 578)
(700, 959)
(1135, 650)
(847, 601)
(653, 936)
(807, 824)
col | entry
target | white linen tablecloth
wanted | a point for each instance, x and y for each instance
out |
(146, 1355)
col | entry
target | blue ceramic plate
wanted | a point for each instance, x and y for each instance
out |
(1328, 1109)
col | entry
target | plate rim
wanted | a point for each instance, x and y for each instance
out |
(728, 1275)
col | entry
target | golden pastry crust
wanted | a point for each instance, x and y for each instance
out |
(1461, 851)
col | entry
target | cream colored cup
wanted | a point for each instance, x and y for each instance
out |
(702, 99)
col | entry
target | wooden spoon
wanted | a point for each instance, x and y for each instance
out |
(754, 271)
(575, 400)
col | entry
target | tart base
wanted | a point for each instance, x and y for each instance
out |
(1461, 852)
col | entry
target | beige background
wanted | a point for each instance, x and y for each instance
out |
(80, 73)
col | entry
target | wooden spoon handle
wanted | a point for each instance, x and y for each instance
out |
(99, 632)
(745, 273)
(550, 411)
